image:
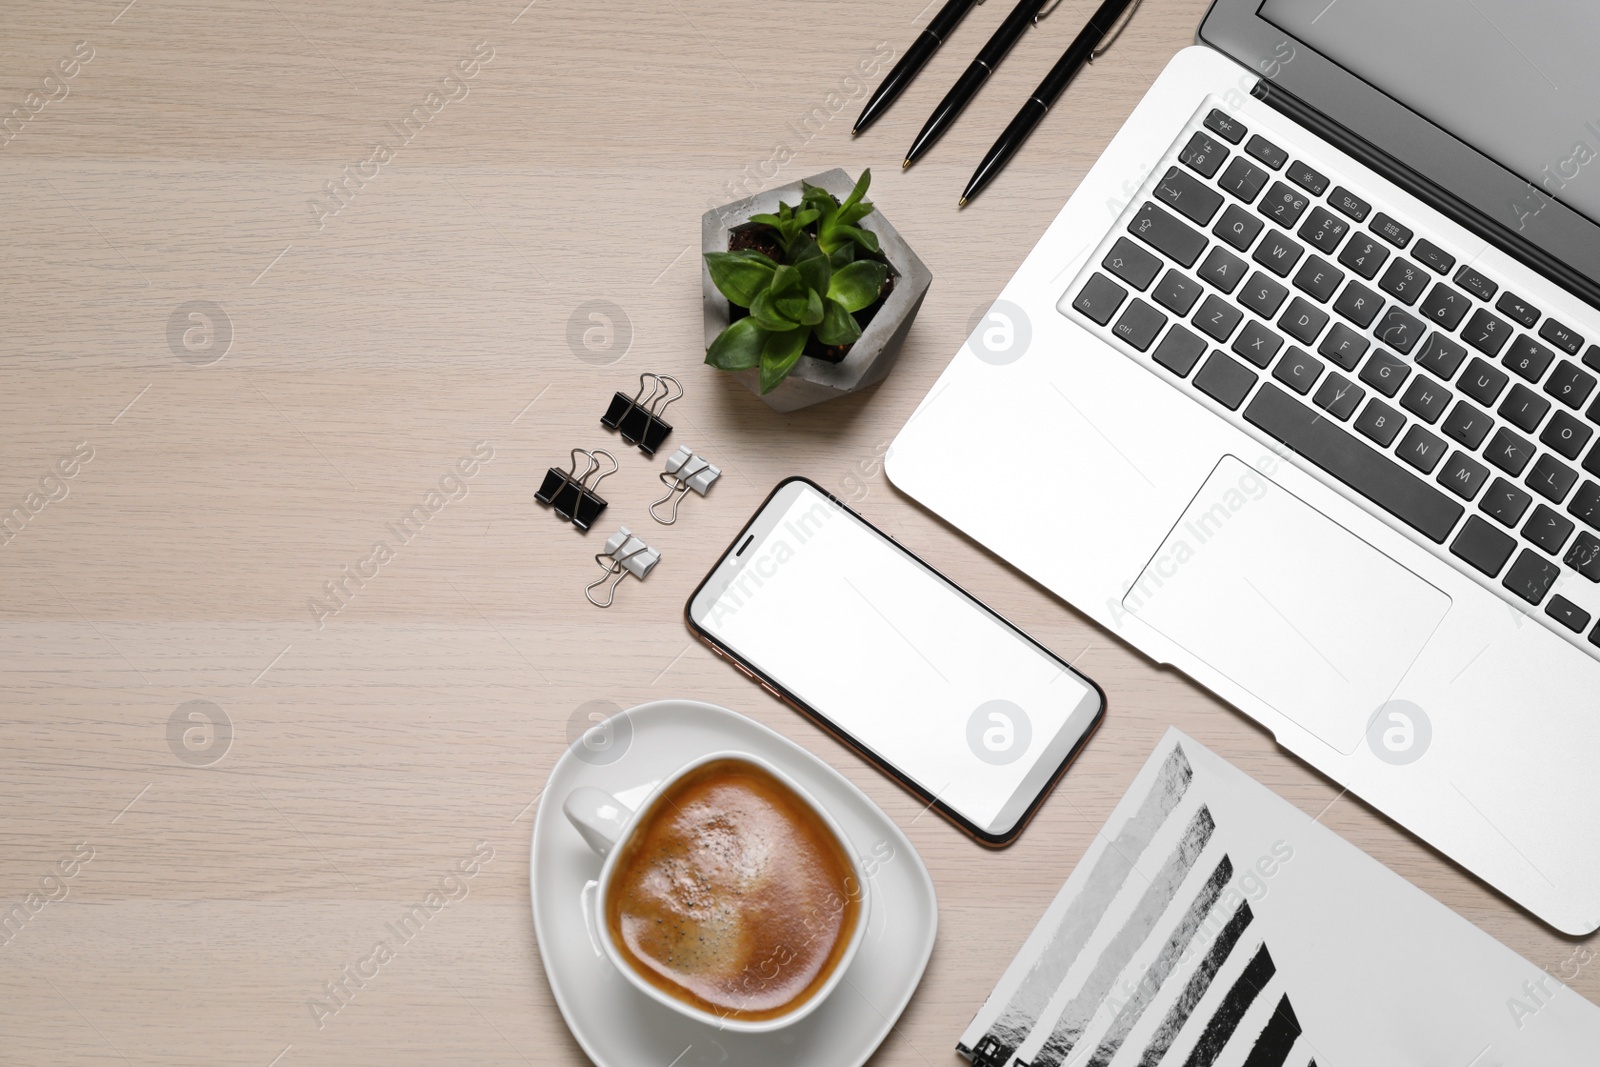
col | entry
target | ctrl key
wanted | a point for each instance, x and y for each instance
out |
(1099, 299)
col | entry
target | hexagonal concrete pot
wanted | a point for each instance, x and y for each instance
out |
(872, 356)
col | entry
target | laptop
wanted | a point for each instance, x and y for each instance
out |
(1298, 395)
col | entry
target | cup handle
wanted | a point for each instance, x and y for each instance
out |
(598, 816)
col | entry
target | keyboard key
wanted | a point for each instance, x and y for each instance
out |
(1467, 425)
(1344, 346)
(1586, 505)
(1217, 318)
(1591, 462)
(1363, 255)
(1238, 227)
(1434, 256)
(1548, 530)
(1404, 281)
(1563, 337)
(1567, 613)
(1531, 576)
(1339, 396)
(1312, 181)
(1262, 295)
(1476, 284)
(1421, 449)
(1199, 203)
(1277, 253)
(1524, 408)
(1483, 381)
(1318, 278)
(1529, 358)
(1505, 502)
(1139, 324)
(1298, 369)
(1244, 179)
(1176, 292)
(1570, 384)
(1426, 399)
(1566, 435)
(1225, 380)
(1225, 126)
(1391, 231)
(1509, 452)
(1365, 470)
(1223, 269)
(1399, 330)
(1358, 304)
(1267, 152)
(1283, 205)
(1179, 351)
(1591, 358)
(1463, 475)
(1348, 203)
(1100, 298)
(1302, 321)
(1445, 307)
(1203, 154)
(1517, 309)
(1165, 232)
(1323, 230)
(1257, 344)
(1584, 556)
(1441, 356)
(1486, 333)
(1385, 372)
(1484, 547)
(1380, 422)
(1132, 264)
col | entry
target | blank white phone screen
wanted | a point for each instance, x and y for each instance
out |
(914, 670)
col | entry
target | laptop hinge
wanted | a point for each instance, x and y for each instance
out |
(1509, 242)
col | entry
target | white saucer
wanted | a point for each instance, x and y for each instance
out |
(620, 1027)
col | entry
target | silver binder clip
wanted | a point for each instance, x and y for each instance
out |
(624, 554)
(685, 471)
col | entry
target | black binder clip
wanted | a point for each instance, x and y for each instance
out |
(685, 471)
(572, 495)
(638, 419)
(623, 555)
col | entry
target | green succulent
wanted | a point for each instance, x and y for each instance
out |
(816, 290)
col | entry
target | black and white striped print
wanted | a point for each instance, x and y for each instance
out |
(1156, 959)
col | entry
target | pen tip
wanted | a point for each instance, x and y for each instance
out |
(906, 164)
(854, 130)
(963, 202)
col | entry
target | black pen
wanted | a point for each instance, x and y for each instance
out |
(1090, 42)
(967, 86)
(916, 57)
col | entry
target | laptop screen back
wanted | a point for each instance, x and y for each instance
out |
(1514, 78)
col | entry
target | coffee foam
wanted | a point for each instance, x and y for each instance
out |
(733, 895)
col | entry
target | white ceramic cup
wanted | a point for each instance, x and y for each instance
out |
(605, 823)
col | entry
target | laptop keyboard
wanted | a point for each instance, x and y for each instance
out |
(1323, 322)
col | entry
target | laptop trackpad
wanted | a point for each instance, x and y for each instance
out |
(1287, 603)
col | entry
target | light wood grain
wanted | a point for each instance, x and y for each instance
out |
(369, 354)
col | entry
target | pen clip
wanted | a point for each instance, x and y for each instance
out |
(1042, 11)
(1116, 30)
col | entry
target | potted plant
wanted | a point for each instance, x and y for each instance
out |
(809, 292)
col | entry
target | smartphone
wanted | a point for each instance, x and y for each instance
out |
(949, 699)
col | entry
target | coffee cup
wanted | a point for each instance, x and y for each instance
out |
(729, 896)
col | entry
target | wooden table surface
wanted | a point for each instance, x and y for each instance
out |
(354, 344)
